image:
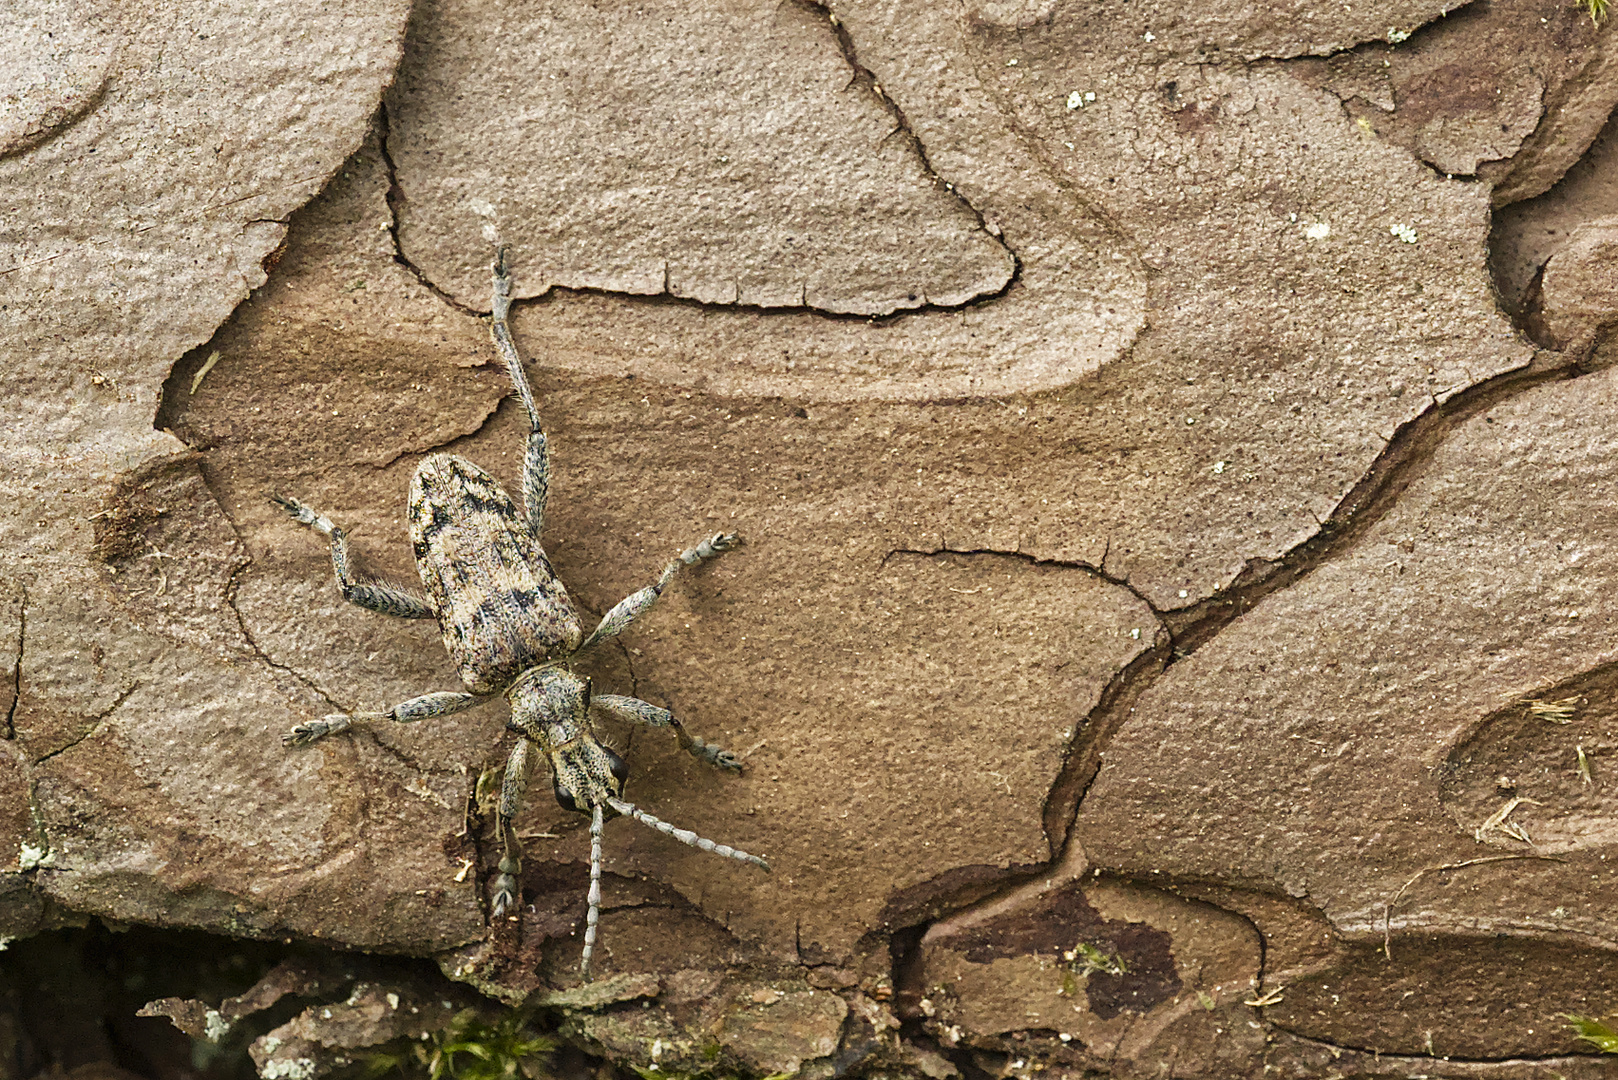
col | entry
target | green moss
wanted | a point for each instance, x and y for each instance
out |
(1594, 1031)
(1087, 959)
(470, 1049)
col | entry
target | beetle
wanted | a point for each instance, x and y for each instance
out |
(511, 630)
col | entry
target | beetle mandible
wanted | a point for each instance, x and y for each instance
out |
(511, 629)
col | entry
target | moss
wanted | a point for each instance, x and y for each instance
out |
(471, 1049)
(1594, 1031)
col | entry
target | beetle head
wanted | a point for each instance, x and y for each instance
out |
(551, 706)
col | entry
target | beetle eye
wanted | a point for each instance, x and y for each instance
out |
(619, 767)
(565, 797)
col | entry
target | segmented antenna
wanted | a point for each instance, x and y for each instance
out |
(594, 916)
(684, 836)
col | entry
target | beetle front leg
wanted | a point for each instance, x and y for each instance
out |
(425, 707)
(508, 884)
(637, 711)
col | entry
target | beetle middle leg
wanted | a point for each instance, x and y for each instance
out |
(379, 596)
(639, 603)
(637, 711)
(425, 707)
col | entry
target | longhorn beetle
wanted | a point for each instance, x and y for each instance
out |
(510, 628)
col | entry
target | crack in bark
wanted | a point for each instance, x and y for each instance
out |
(1082, 757)
(863, 78)
(98, 721)
(1413, 31)
(395, 196)
(1419, 1059)
(10, 731)
(1401, 463)
(1032, 560)
(232, 584)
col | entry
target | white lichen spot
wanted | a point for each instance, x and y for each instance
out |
(657, 1050)
(1404, 232)
(481, 207)
(1075, 100)
(1011, 63)
(1318, 231)
(1135, 634)
(1395, 35)
(296, 1069)
(269, 1044)
(214, 1025)
(1148, 36)
(1219, 467)
(393, 1001)
(29, 856)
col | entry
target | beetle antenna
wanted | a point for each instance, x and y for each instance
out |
(684, 836)
(594, 900)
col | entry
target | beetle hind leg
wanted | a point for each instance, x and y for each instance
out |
(425, 707)
(536, 466)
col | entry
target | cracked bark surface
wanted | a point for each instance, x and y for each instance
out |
(1158, 534)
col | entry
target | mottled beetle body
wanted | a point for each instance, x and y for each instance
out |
(511, 629)
(499, 603)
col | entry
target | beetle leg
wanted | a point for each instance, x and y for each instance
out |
(639, 603)
(637, 711)
(379, 596)
(425, 707)
(536, 466)
(508, 885)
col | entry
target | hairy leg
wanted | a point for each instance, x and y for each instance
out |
(536, 466)
(425, 707)
(637, 711)
(508, 884)
(639, 603)
(379, 596)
